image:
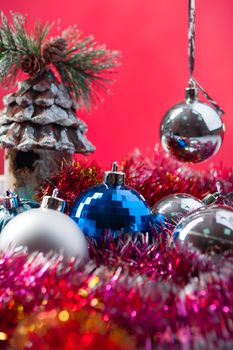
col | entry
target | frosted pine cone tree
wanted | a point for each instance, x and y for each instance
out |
(39, 128)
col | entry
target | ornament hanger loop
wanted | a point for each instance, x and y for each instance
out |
(191, 83)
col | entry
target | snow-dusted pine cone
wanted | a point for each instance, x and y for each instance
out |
(55, 50)
(31, 65)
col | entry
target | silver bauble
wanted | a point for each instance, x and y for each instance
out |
(207, 229)
(45, 230)
(192, 132)
(168, 211)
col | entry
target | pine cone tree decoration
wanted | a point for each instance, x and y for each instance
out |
(39, 128)
(31, 65)
(40, 132)
(54, 51)
(42, 115)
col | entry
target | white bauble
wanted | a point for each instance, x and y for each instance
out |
(45, 230)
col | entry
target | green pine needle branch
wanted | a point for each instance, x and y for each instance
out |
(83, 69)
(15, 43)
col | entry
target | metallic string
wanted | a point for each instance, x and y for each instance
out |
(191, 37)
(211, 101)
(191, 56)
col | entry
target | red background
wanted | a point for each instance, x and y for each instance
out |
(152, 37)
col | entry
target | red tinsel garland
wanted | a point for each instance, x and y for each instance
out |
(131, 294)
(153, 177)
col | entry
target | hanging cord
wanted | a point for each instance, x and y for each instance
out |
(191, 37)
(191, 56)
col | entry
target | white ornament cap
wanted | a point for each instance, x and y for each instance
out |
(53, 202)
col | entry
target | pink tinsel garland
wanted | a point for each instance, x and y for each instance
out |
(172, 297)
(158, 295)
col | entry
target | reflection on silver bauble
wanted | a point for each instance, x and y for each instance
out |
(207, 229)
(168, 211)
(45, 230)
(192, 132)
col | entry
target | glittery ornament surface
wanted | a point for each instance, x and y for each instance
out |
(117, 209)
(192, 132)
(207, 229)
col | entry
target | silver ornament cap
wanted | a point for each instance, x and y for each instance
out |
(10, 200)
(191, 94)
(53, 202)
(114, 177)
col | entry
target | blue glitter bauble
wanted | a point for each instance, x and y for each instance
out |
(114, 209)
(7, 214)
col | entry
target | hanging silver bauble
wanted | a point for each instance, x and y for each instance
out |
(192, 131)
